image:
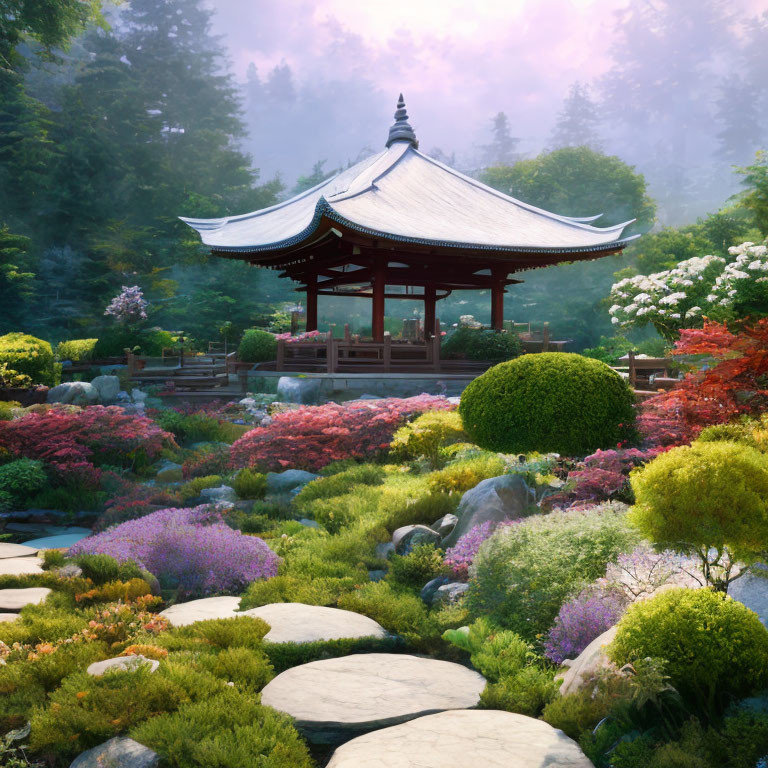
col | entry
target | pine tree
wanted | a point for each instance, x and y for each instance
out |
(501, 150)
(576, 124)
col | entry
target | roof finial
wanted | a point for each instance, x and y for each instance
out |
(401, 130)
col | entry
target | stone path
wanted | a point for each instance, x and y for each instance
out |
(16, 550)
(336, 699)
(463, 739)
(183, 614)
(300, 623)
(16, 599)
(20, 566)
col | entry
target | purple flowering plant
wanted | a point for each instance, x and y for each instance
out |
(129, 306)
(189, 549)
(459, 557)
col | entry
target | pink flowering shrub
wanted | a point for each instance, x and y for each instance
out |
(189, 549)
(306, 336)
(129, 306)
(459, 557)
(74, 443)
(312, 436)
(581, 619)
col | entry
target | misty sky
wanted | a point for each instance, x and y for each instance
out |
(458, 62)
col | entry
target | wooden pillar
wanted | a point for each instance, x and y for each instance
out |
(497, 304)
(312, 303)
(429, 311)
(377, 305)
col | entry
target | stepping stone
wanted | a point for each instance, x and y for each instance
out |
(20, 566)
(8, 616)
(16, 550)
(122, 663)
(16, 599)
(182, 614)
(300, 623)
(120, 752)
(334, 700)
(462, 738)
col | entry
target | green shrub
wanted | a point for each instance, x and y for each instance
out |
(338, 484)
(243, 666)
(422, 564)
(22, 479)
(746, 430)
(274, 510)
(192, 428)
(525, 572)
(194, 487)
(526, 692)
(113, 341)
(426, 436)
(76, 350)
(257, 346)
(553, 402)
(229, 730)
(29, 356)
(396, 610)
(287, 655)
(478, 344)
(421, 510)
(238, 632)
(708, 500)
(249, 484)
(715, 647)
(7, 408)
(463, 475)
(101, 569)
(296, 589)
(53, 558)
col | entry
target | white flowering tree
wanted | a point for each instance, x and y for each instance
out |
(704, 286)
(129, 306)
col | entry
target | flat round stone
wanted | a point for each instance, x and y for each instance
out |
(20, 566)
(300, 623)
(462, 738)
(336, 699)
(16, 550)
(16, 599)
(182, 614)
(8, 616)
(122, 663)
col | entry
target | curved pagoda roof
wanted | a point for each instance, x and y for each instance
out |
(403, 199)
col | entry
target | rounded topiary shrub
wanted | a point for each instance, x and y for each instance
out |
(549, 402)
(715, 647)
(467, 343)
(30, 356)
(257, 346)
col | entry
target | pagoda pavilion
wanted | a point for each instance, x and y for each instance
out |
(401, 225)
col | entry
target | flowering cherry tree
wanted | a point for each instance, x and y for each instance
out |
(704, 286)
(129, 306)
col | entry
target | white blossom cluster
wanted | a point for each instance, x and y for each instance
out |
(702, 286)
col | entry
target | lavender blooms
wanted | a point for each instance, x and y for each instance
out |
(190, 549)
(129, 306)
(459, 557)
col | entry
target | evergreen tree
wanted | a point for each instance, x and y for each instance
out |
(742, 131)
(501, 150)
(576, 124)
(15, 282)
(313, 179)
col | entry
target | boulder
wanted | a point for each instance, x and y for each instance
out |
(299, 623)
(429, 590)
(168, 472)
(496, 499)
(445, 524)
(69, 571)
(119, 752)
(409, 536)
(123, 664)
(752, 590)
(450, 593)
(73, 393)
(334, 700)
(461, 738)
(585, 667)
(221, 494)
(21, 566)
(16, 599)
(384, 549)
(107, 388)
(302, 391)
(182, 614)
(285, 482)
(16, 550)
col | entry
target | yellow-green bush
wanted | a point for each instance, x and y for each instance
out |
(257, 346)
(703, 496)
(311, 590)
(553, 402)
(238, 632)
(192, 488)
(716, 649)
(746, 430)
(30, 356)
(76, 350)
(339, 484)
(422, 564)
(7, 408)
(427, 435)
(249, 484)
(463, 475)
